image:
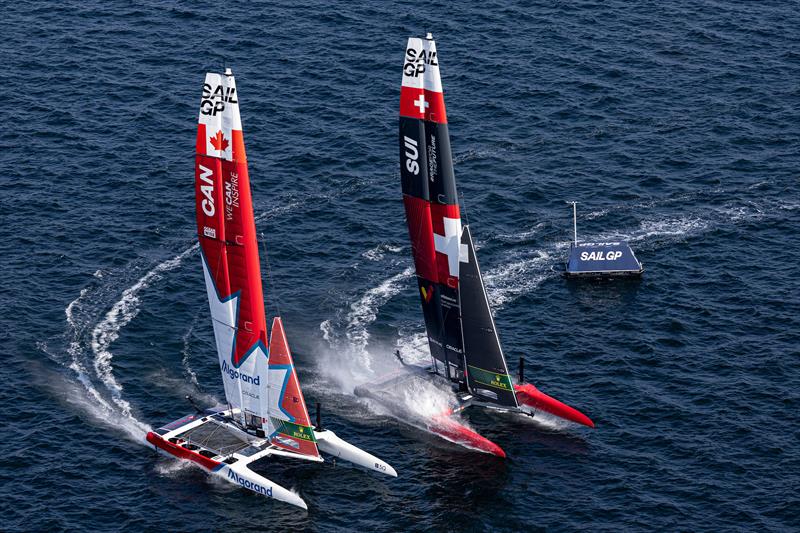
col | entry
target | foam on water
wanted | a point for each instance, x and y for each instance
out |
(364, 311)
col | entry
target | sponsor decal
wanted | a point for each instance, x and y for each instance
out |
(584, 244)
(236, 374)
(215, 98)
(432, 161)
(231, 195)
(246, 483)
(491, 379)
(601, 256)
(412, 155)
(427, 293)
(293, 431)
(209, 232)
(207, 190)
(417, 60)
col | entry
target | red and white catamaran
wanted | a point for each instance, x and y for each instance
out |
(266, 415)
(462, 336)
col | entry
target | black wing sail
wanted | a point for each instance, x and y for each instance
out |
(431, 203)
(487, 372)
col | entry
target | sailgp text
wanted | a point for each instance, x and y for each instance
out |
(215, 98)
(416, 61)
(601, 256)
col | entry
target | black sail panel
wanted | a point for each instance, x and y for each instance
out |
(487, 373)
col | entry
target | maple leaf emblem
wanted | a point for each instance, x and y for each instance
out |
(219, 141)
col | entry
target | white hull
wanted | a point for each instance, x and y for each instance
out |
(226, 451)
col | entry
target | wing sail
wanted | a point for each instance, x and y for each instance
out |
(487, 373)
(227, 234)
(431, 202)
(290, 425)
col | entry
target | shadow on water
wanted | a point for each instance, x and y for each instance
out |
(604, 291)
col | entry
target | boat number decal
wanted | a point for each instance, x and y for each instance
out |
(215, 98)
(412, 155)
(380, 467)
(207, 190)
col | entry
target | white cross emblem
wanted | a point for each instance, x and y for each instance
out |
(422, 104)
(450, 244)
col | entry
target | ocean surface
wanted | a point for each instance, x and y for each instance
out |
(675, 125)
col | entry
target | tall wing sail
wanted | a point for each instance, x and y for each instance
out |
(487, 373)
(290, 427)
(227, 233)
(431, 202)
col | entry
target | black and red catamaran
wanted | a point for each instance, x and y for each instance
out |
(462, 336)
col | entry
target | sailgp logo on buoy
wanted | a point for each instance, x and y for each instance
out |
(246, 483)
(235, 374)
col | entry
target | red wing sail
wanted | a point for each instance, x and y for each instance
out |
(431, 202)
(290, 425)
(227, 233)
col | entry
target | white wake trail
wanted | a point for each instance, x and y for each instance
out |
(364, 311)
(107, 331)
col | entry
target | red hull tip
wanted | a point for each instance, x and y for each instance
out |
(529, 395)
(460, 434)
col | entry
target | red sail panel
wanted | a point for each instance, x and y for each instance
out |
(287, 408)
(420, 229)
(243, 263)
(227, 234)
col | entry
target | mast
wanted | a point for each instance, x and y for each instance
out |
(431, 202)
(575, 223)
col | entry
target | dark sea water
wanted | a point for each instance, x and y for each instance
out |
(675, 124)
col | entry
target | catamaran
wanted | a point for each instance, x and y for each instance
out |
(462, 336)
(266, 413)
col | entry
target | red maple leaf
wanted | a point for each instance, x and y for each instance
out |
(219, 141)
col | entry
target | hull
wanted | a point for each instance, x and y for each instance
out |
(331, 444)
(442, 425)
(226, 454)
(532, 399)
(214, 442)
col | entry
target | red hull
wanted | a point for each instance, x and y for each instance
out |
(459, 433)
(181, 452)
(529, 395)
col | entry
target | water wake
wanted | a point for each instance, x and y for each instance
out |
(121, 313)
